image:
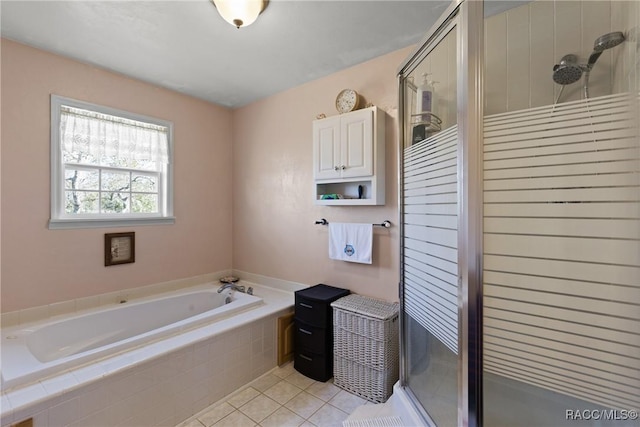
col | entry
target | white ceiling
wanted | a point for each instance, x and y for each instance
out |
(186, 46)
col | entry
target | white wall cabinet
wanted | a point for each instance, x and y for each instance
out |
(348, 154)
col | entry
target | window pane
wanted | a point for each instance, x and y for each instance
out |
(144, 183)
(75, 179)
(106, 157)
(81, 202)
(117, 182)
(144, 203)
(114, 202)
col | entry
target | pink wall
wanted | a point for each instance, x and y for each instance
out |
(41, 266)
(258, 156)
(274, 213)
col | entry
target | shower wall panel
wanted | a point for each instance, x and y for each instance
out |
(523, 44)
(562, 248)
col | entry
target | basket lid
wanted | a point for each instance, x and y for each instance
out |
(368, 306)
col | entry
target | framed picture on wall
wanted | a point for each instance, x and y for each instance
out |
(119, 248)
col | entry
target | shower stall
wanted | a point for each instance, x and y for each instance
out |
(520, 215)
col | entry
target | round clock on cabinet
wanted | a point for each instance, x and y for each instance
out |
(347, 100)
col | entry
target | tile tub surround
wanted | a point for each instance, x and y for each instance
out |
(161, 383)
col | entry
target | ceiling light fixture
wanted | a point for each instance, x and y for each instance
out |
(240, 13)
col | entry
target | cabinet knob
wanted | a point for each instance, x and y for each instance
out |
(336, 168)
(343, 167)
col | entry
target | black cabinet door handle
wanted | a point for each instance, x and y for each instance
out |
(305, 305)
(306, 358)
(304, 331)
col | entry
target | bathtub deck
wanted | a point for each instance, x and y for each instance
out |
(58, 396)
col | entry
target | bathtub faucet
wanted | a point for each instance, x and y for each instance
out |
(231, 286)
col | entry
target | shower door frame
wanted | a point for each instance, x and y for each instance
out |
(468, 17)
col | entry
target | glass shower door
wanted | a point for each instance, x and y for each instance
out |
(434, 285)
(430, 236)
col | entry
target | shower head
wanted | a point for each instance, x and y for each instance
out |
(603, 43)
(608, 41)
(568, 70)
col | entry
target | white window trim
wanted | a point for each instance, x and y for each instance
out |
(58, 220)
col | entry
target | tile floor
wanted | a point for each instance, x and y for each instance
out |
(283, 397)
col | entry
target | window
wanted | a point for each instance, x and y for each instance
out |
(108, 167)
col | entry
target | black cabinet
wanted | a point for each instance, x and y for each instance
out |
(313, 337)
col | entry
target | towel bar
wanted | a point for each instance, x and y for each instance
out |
(385, 223)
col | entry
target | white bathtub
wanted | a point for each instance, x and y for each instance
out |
(32, 352)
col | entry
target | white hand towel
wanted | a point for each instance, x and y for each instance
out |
(351, 242)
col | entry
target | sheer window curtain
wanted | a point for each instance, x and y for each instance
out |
(103, 135)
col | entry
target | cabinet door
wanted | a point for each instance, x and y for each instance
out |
(326, 148)
(356, 136)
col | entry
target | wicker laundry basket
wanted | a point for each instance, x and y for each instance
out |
(365, 353)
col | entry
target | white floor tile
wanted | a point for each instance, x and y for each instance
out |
(324, 391)
(281, 398)
(192, 423)
(282, 392)
(346, 401)
(304, 404)
(284, 371)
(299, 380)
(235, 419)
(260, 408)
(282, 418)
(265, 381)
(328, 416)
(242, 397)
(216, 413)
